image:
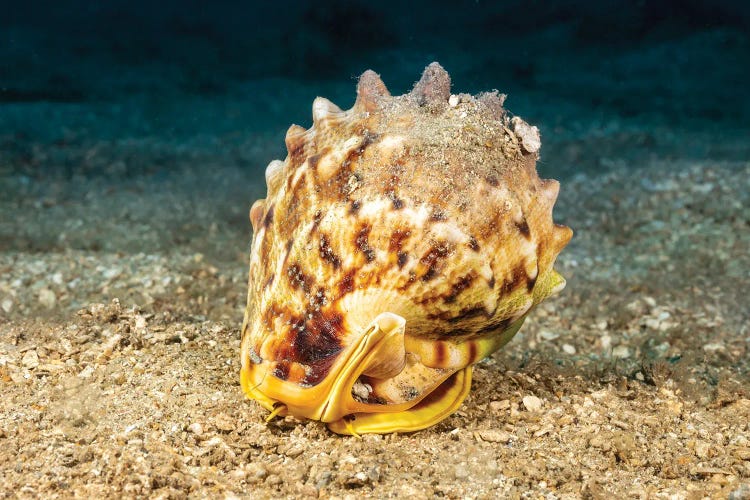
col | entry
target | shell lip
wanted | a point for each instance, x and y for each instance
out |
(332, 398)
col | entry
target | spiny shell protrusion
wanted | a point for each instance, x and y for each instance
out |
(322, 108)
(256, 213)
(434, 88)
(561, 235)
(370, 91)
(274, 175)
(295, 138)
(550, 190)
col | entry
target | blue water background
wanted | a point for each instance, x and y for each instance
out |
(614, 82)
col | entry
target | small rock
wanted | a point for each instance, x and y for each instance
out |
(17, 375)
(532, 403)
(55, 367)
(549, 335)
(453, 101)
(741, 493)
(274, 480)
(30, 359)
(500, 405)
(294, 451)
(621, 351)
(255, 472)
(111, 273)
(357, 480)
(108, 348)
(600, 442)
(527, 134)
(714, 347)
(47, 298)
(7, 305)
(624, 444)
(495, 436)
(309, 490)
(460, 471)
(140, 323)
(411, 491)
(652, 323)
(238, 474)
(224, 422)
(196, 428)
(702, 449)
(568, 349)
(213, 442)
(373, 474)
(674, 406)
(324, 479)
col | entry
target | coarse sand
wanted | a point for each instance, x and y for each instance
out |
(120, 308)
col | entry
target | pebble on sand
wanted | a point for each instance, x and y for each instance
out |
(495, 436)
(30, 359)
(47, 298)
(532, 403)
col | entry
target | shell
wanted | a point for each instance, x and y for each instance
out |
(401, 241)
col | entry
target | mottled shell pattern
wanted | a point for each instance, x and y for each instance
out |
(401, 241)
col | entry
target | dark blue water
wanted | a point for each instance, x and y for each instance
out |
(182, 78)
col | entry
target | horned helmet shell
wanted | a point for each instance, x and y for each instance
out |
(401, 241)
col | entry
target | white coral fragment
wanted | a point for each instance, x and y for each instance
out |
(527, 134)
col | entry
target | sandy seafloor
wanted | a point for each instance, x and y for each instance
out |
(123, 254)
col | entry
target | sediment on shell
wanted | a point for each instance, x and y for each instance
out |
(370, 91)
(433, 88)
